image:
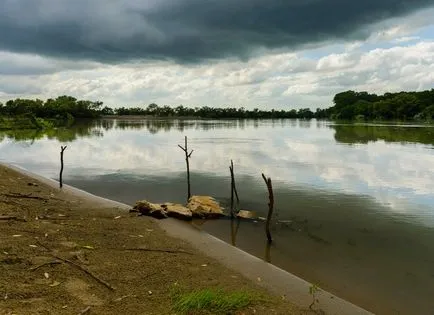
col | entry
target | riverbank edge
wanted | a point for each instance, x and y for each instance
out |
(274, 279)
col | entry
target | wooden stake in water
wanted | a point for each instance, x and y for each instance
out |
(270, 207)
(187, 157)
(233, 190)
(62, 149)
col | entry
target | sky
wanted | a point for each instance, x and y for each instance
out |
(253, 53)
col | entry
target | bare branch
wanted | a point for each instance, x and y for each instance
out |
(270, 206)
(54, 262)
(233, 190)
(187, 157)
(88, 272)
(62, 149)
(18, 195)
(85, 311)
(170, 251)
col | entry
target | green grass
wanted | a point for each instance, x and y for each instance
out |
(214, 301)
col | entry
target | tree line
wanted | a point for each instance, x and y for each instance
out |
(349, 105)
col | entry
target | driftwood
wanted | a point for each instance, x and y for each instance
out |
(233, 190)
(11, 218)
(187, 157)
(7, 217)
(28, 196)
(88, 272)
(78, 266)
(170, 251)
(62, 149)
(85, 311)
(270, 206)
(54, 262)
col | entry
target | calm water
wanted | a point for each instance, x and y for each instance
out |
(357, 200)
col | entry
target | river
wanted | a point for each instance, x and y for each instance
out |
(355, 201)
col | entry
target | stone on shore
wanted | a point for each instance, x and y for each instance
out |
(177, 211)
(204, 207)
(150, 209)
(246, 214)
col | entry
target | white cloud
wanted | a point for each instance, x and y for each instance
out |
(275, 80)
(406, 39)
(30, 64)
(283, 80)
(403, 28)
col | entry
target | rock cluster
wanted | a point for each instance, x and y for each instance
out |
(204, 207)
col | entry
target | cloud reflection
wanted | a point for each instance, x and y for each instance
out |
(290, 152)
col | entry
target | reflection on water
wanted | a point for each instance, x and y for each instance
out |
(371, 133)
(344, 133)
(81, 130)
(358, 218)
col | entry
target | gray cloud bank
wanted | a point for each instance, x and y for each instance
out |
(185, 30)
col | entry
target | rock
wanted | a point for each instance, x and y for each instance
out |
(177, 211)
(150, 209)
(204, 207)
(246, 214)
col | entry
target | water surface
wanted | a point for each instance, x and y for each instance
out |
(357, 201)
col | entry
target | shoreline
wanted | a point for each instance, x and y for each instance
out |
(272, 278)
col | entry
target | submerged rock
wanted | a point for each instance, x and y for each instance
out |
(150, 209)
(204, 207)
(177, 211)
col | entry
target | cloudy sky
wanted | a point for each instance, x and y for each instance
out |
(251, 53)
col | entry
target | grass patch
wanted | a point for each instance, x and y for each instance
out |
(214, 301)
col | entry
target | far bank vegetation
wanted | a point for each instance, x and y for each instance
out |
(348, 105)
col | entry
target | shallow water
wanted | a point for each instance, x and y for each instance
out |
(357, 200)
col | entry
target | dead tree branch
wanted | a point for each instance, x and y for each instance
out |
(62, 149)
(29, 196)
(88, 272)
(54, 262)
(11, 218)
(233, 190)
(85, 311)
(170, 251)
(187, 157)
(270, 206)
(78, 266)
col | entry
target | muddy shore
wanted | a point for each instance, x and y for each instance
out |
(137, 259)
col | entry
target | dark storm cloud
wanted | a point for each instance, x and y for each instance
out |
(185, 30)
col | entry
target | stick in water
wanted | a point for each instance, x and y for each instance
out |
(62, 149)
(187, 157)
(270, 206)
(233, 190)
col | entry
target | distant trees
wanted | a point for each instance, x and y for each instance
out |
(348, 105)
(63, 107)
(351, 105)
(214, 112)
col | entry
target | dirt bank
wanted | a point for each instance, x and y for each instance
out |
(60, 254)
